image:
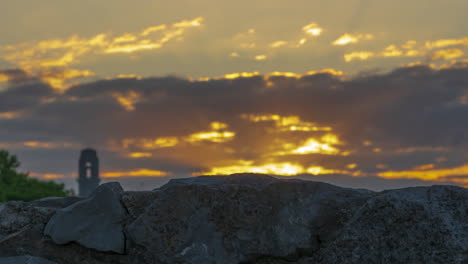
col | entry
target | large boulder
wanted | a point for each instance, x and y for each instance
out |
(240, 218)
(96, 222)
(412, 225)
(56, 202)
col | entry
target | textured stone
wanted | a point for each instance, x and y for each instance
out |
(56, 202)
(239, 218)
(96, 222)
(25, 260)
(245, 219)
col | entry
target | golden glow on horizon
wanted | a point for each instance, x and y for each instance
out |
(427, 173)
(135, 173)
(48, 145)
(348, 38)
(260, 57)
(284, 169)
(47, 176)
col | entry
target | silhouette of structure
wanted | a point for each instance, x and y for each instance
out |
(88, 172)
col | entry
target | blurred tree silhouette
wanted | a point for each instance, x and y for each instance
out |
(18, 186)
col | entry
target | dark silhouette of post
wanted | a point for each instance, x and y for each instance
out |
(88, 172)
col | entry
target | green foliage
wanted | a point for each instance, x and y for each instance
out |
(18, 186)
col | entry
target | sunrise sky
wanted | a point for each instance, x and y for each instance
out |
(355, 88)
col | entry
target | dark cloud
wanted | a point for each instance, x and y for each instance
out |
(409, 108)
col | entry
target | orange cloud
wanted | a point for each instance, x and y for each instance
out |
(47, 176)
(48, 145)
(135, 173)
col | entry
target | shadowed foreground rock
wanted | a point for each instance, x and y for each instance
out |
(242, 219)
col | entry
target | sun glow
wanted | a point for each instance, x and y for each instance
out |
(284, 169)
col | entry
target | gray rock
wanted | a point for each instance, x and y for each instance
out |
(243, 219)
(413, 225)
(239, 218)
(25, 260)
(96, 222)
(56, 202)
(137, 202)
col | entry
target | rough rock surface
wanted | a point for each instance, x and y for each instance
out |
(25, 260)
(245, 219)
(96, 222)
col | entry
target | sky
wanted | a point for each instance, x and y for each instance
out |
(353, 91)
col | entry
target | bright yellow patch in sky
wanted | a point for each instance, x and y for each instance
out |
(212, 136)
(284, 169)
(447, 54)
(358, 55)
(313, 29)
(348, 38)
(326, 145)
(241, 75)
(138, 155)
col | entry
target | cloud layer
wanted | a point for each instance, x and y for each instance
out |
(408, 123)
